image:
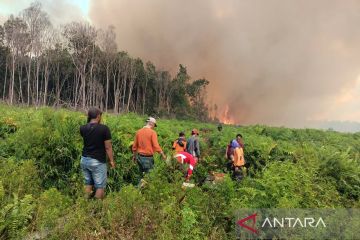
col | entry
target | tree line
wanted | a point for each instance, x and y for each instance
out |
(77, 65)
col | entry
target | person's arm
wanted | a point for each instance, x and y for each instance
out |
(227, 151)
(134, 147)
(174, 145)
(187, 146)
(108, 146)
(109, 152)
(156, 145)
(197, 148)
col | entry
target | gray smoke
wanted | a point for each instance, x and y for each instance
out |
(278, 62)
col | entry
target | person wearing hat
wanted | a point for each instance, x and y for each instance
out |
(187, 158)
(193, 146)
(97, 144)
(180, 143)
(145, 145)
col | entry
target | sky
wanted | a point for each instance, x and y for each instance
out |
(60, 11)
(277, 62)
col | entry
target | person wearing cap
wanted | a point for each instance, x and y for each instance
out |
(186, 158)
(97, 144)
(180, 143)
(145, 145)
(193, 146)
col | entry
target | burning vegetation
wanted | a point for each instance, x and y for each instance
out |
(226, 117)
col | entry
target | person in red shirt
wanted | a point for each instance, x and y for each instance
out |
(187, 158)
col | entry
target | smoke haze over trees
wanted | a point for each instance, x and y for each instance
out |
(274, 62)
(78, 65)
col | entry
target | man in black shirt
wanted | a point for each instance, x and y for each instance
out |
(97, 144)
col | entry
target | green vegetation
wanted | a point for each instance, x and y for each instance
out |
(41, 184)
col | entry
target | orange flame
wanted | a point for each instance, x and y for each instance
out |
(225, 118)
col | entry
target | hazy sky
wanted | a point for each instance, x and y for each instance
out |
(280, 62)
(61, 11)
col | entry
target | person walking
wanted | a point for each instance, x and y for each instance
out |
(179, 144)
(145, 145)
(187, 158)
(238, 158)
(193, 145)
(97, 144)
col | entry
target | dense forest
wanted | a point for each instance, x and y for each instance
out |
(41, 184)
(78, 65)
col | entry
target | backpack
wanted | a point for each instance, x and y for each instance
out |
(230, 150)
(180, 142)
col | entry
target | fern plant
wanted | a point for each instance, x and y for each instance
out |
(15, 217)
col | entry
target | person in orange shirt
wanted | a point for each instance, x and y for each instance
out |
(180, 143)
(238, 159)
(145, 145)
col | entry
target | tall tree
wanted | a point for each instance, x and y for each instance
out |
(107, 42)
(196, 92)
(79, 66)
(179, 100)
(38, 24)
(16, 37)
(81, 37)
(150, 76)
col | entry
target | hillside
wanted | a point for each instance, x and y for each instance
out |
(41, 190)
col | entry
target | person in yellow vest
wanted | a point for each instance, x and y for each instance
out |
(180, 143)
(238, 159)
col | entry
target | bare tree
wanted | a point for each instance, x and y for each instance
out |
(109, 47)
(132, 77)
(120, 74)
(50, 40)
(81, 37)
(150, 75)
(38, 23)
(15, 35)
(79, 66)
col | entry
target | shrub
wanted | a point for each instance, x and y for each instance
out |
(16, 216)
(343, 172)
(19, 177)
(287, 168)
(51, 206)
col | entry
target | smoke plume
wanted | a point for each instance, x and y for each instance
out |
(279, 62)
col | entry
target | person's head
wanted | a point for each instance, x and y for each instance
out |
(181, 134)
(238, 136)
(151, 122)
(239, 139)
(194, 132)
(94, 114)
